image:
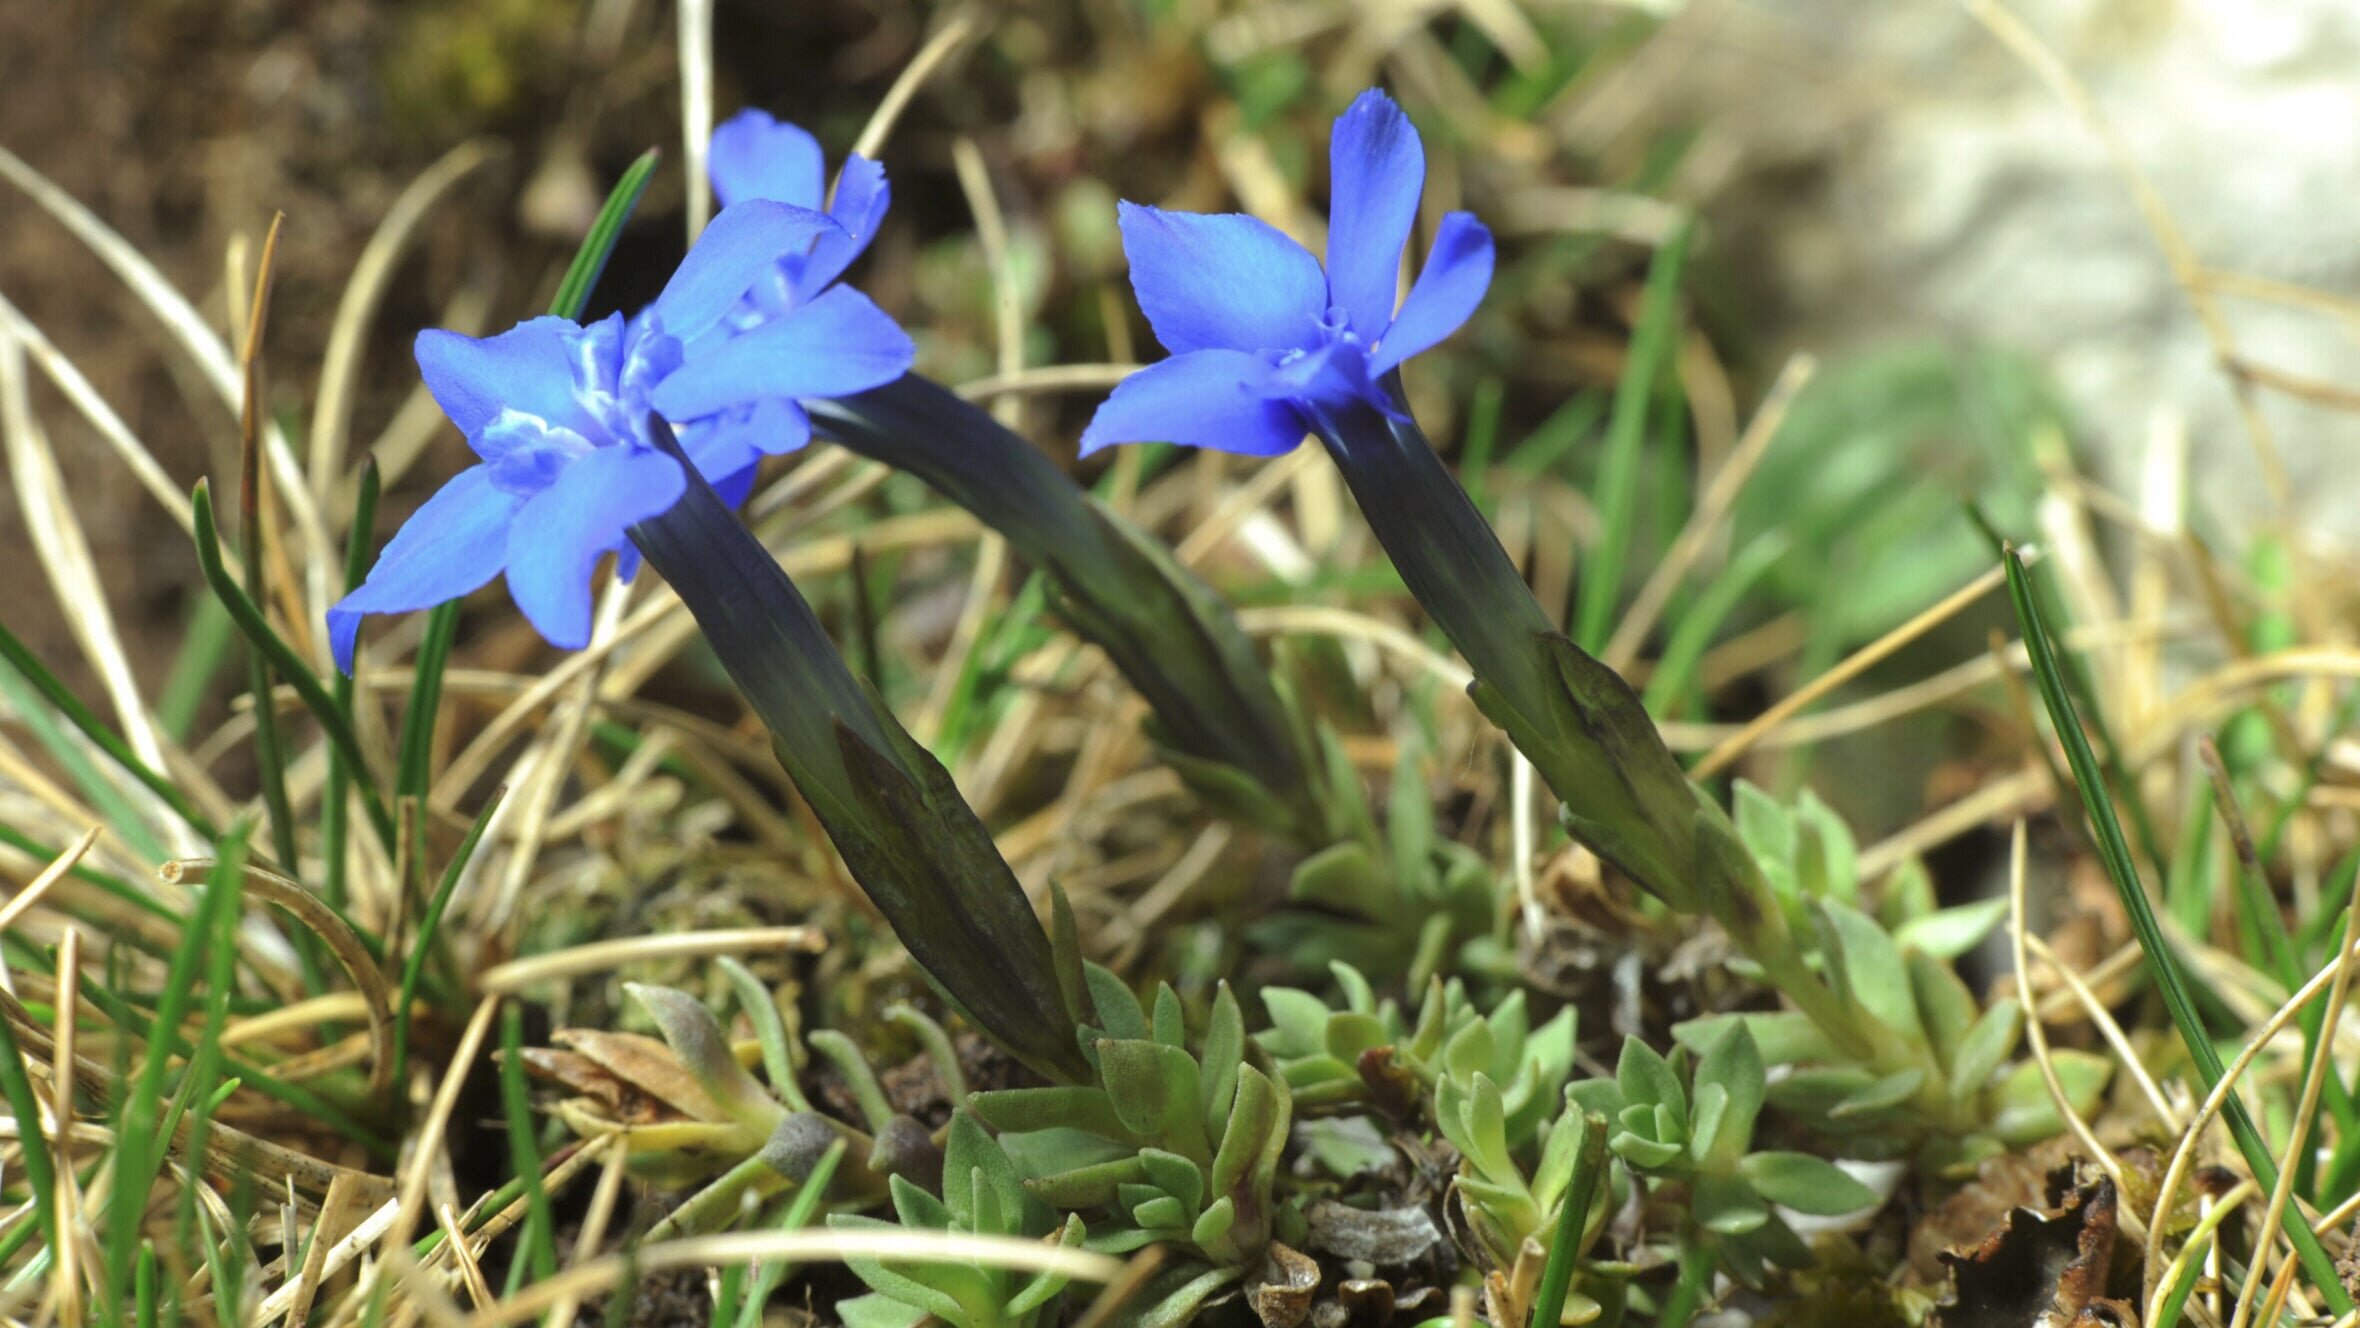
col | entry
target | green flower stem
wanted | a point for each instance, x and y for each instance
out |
(1221, 718)
(889, 807)
(1576, 720)
(1696, 1261)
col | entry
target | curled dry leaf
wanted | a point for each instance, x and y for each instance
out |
(2043, 1268)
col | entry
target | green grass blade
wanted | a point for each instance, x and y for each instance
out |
(40, 1175)
(139, 1151)
(204, 644)
(1573, 1214)
(536, 1247)
(64, 702)
(335, 799)
(2162, 965)
(1675, 671)
(581, 276)
(1652, 344)
(422, 946)
(299, 676)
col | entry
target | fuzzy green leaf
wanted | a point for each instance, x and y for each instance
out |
(1119, 1013)
(1951, 932)
(1806, 1184)
(695, 1036)
(1727, 1205)
(1986, 1044)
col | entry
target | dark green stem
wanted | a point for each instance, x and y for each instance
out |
(1575, 719)
(891, 810)
(1221, 719)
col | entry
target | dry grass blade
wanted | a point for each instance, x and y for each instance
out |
(1857, 663)
(1047, 378)
(331, 417)
(64, 554)
(1705, 519)
(50, 875)
(696, 108)
(939, 48)
(102, 417)
(600, 956)
(2036, 1036)
(368, 979)
(739, 1247)
(202, 345)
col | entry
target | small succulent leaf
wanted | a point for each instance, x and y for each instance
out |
(1646, 1078)
(1409, 815)
(1734, 1063)
(1814, 1092)
(1174, 1296)
(1163, 1213)
(1511, 1024)
(1908, 894)
(1215, 1223)
(1469, 1050)
(1256, 1115)
(1945, 1007)
(1223, 1053)
(1806, 1184)
(1487, 1126)
(2024, 1114)
(1987, 1044)
(927, 1295)
(1093, 1186)
(1119, 1011)
(1596, 1097)
(1298, 1022)
(1175, 1175)
(1426, 1040)
(1881, 1095)
(1827, 859)
(1712, 1105)
(1642, 1153)
(1170, 1022)
(1135, 1073)
(916, 1208)
(1358, 995)
(1043, 1287)
(1062, 1148)
(1022, 1110)
(1948, 933)
(1764, 825)
(878, 1310)
(695, 1036)
(1773, 1243)
(1873, 973)
(1727, 1205)
(1345, 878)
(970, 1149)
(1350, 1033)
(1120, 1240)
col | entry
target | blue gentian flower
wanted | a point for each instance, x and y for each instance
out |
(1263, 341)
(825, 340)
(558, 414)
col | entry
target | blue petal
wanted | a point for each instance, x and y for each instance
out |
(1457, 273)
(1221, 282)
(528, 369)
(738, 248)
(757, 156)
(1206, 398)
(1377, 168)
(1334, 374)
(558, 535)
(723, 444)
(448, 548)
(836, 344)
(861, 199)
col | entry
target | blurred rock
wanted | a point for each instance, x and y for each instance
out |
(1881, 172)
